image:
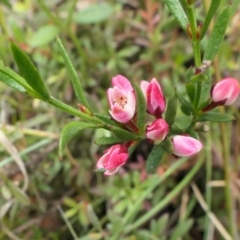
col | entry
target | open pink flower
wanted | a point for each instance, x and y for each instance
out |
(121, 99)
(157, 130)
(113, 158)
(156, 103)
(226, 91)
(184, 146)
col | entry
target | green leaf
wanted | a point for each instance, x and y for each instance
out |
(217, 34)
(212, 10)
(166, 145)
(43, 36)
(107, 140)
(193, 134)
(127, 51)
(73, 75)
(171, 110)
(29, 72)
(216, 117)
(154, 158)
(176, 9)
(95, 13)
(106, 119)
(69, 131)
(183, 122)
(182, 228)
(190, 72)
(191, 90)
(205, 91)
(198, 79)
(201, 77)
(141, 108)
(186, 106)
(123, 135)
(9, 77)
(11, 82)
(18, 193)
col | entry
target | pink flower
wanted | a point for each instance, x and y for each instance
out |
(122, 82)
(157, 131)
(184, 146)
(113, 158)
(226, 91)
(121, 99)
(155, 100)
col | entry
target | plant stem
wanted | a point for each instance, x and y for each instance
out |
(208, 148)
(228, 192)
(194, 35)
(53, 101)
(168, 198)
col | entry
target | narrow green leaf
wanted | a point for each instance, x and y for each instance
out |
(216, 117)
(69, 131)
(182, 228)
(205, 91)
(191, 90)
(186, 106)
(190, 72)
(29, 72)
(11, 83)
(43, 36)
(201, 77)
(166, 145)
(154, 158)
(106, 119)
(141, 108)
(73, 75)
(176, 9)
(171, 110)
(183, 122)
(9, 77)
(107, 140)
(217, 34)
(212, 10)
(193, 134)
(93, 14)
(123, 134)
(18, 193)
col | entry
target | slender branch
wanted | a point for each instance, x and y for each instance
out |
(194, 35)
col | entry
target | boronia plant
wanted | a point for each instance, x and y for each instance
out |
(132, 104)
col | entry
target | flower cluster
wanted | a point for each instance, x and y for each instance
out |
(122, 101)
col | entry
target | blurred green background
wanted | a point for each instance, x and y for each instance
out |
(66, 199)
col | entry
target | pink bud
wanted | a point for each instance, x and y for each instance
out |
(113, 158)
(157, 130)
(121, 99)
(226, 91)
(155, 100)
(184, 146)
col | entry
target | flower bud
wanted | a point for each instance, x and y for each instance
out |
(157, 130)
(112, 159)
(184, 146)
(122, 99)
(226, 91)
(155, 100)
